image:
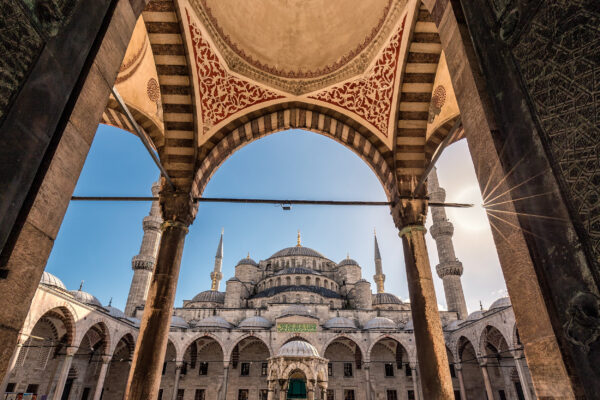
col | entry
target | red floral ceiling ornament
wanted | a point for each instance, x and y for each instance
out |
(221, 93)
(371, 96)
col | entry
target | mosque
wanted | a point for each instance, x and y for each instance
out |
(296, 325)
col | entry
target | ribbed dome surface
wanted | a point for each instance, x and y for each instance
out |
(385, 298)
(212, 296)
(298, 348)
(256, 322)
(340, 323)
(85, 297)
(178, 322)
(115, 312)
(347, 261)
(475, 315)
(297, 251)
(247, 261)
(501, 303)
(380, 323)
(214, 321)
(297, 270)
(51, 280)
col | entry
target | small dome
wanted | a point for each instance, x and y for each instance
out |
(178, 322)
(340, 323)
(297, 270)
(211, 296)
(247, 261)
(136, 322)
(50, 280)
(453, 325)
(475, 316)
(214, 321)
(298, 348)
(115, 312)
(295, 309)
(85, 298)
(501, 303)
(385, 298)
(380, 323)
(347, 261)
(256, 322)
(297, 251)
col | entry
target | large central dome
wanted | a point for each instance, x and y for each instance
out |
(297, 251)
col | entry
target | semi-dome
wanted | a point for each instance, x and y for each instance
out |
(298, 348)
(51, 280)
(501, 303)
(295, 309)
(297, 270)
(115, 312)
(340, 323)
(255, 322)
(347, 261)
(247, 261)
(380, 323)
(85, 298)
(214, 321)
(475, 315)
(297, 251)
(212, 296)
(178, 322)
(385, 298)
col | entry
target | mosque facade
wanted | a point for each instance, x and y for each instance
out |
(294, 325)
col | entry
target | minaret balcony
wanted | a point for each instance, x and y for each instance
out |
(449, 268)
(143, 262)
(438, 195)
(152, 222)
(441, 228)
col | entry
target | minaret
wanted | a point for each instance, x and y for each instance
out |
(379, 277)
(143, 263)
(216, 275)
(449, 269)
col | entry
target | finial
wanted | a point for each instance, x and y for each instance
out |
(81, 286)
(222, 231)
(110, 302)
(348, 256)
(375, 231)
(480, 305)
(298, 244)
(248, 256)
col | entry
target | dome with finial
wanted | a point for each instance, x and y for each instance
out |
(212, 296)
(347, 261)
(247, 261)
(85, 298)
(297, 250)
(385, 298)
(51, 280)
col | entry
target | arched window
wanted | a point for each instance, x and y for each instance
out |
(312, 299)
(298, 281)
(278, 281)
(297, 298)
(318, 282)
(284, 299)
(325, 283)
(288, 281)
(308, 281)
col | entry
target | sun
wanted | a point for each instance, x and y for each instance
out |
(474, 218)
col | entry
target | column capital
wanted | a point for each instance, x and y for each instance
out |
(482, 361)
(106, 358)
(178, 365)
(458, 366)
(409, 212)
(177, 208)
(70, 351)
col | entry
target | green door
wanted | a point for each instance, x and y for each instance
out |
(297, 389)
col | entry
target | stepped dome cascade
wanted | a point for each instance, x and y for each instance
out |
(86, 298)
(212, 296)
(50, 280)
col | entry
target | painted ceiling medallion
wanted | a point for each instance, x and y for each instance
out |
(371, 96)
(221, 93)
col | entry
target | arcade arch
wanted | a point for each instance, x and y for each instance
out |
(472, 375)
(392, 366)
(118, 370)
(204, 367)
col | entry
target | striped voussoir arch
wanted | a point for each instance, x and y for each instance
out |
(417, 85)
(440, 134)
(112, 115)
(334, 125)
(178, 155)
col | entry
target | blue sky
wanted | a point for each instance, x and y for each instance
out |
(97, 240)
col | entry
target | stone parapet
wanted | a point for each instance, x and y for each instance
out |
(449, 268)
(142, 261)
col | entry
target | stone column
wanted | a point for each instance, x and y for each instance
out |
(415, 380)
(486, 380)
(11, 364)
(519, 361)
(178, 366)
(282, 389)
(461, 381)
(178, 212)
(310, 391)
(64, 373)
(367, 369)
(225, 381)
(409, 216)
(101, 377)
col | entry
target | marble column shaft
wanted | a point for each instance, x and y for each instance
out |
(519, 361)
(461, 382)
(101, 377)
(178, 212)
(64, 373)
(223, 395)
(415, 382)
(178, 366)
(486, 381)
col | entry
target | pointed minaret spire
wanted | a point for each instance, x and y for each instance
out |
(216, 275)
(379, 277)
(299, 240)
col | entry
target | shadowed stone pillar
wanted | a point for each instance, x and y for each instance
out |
(409, 216)
(519, 361)
(367, 369)
(12, 362)
(223, 394)
(178, 212)
(413, 373)
(461, 381)
(101, 377)
(64, 373)
(486, 379)
(178, 366)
